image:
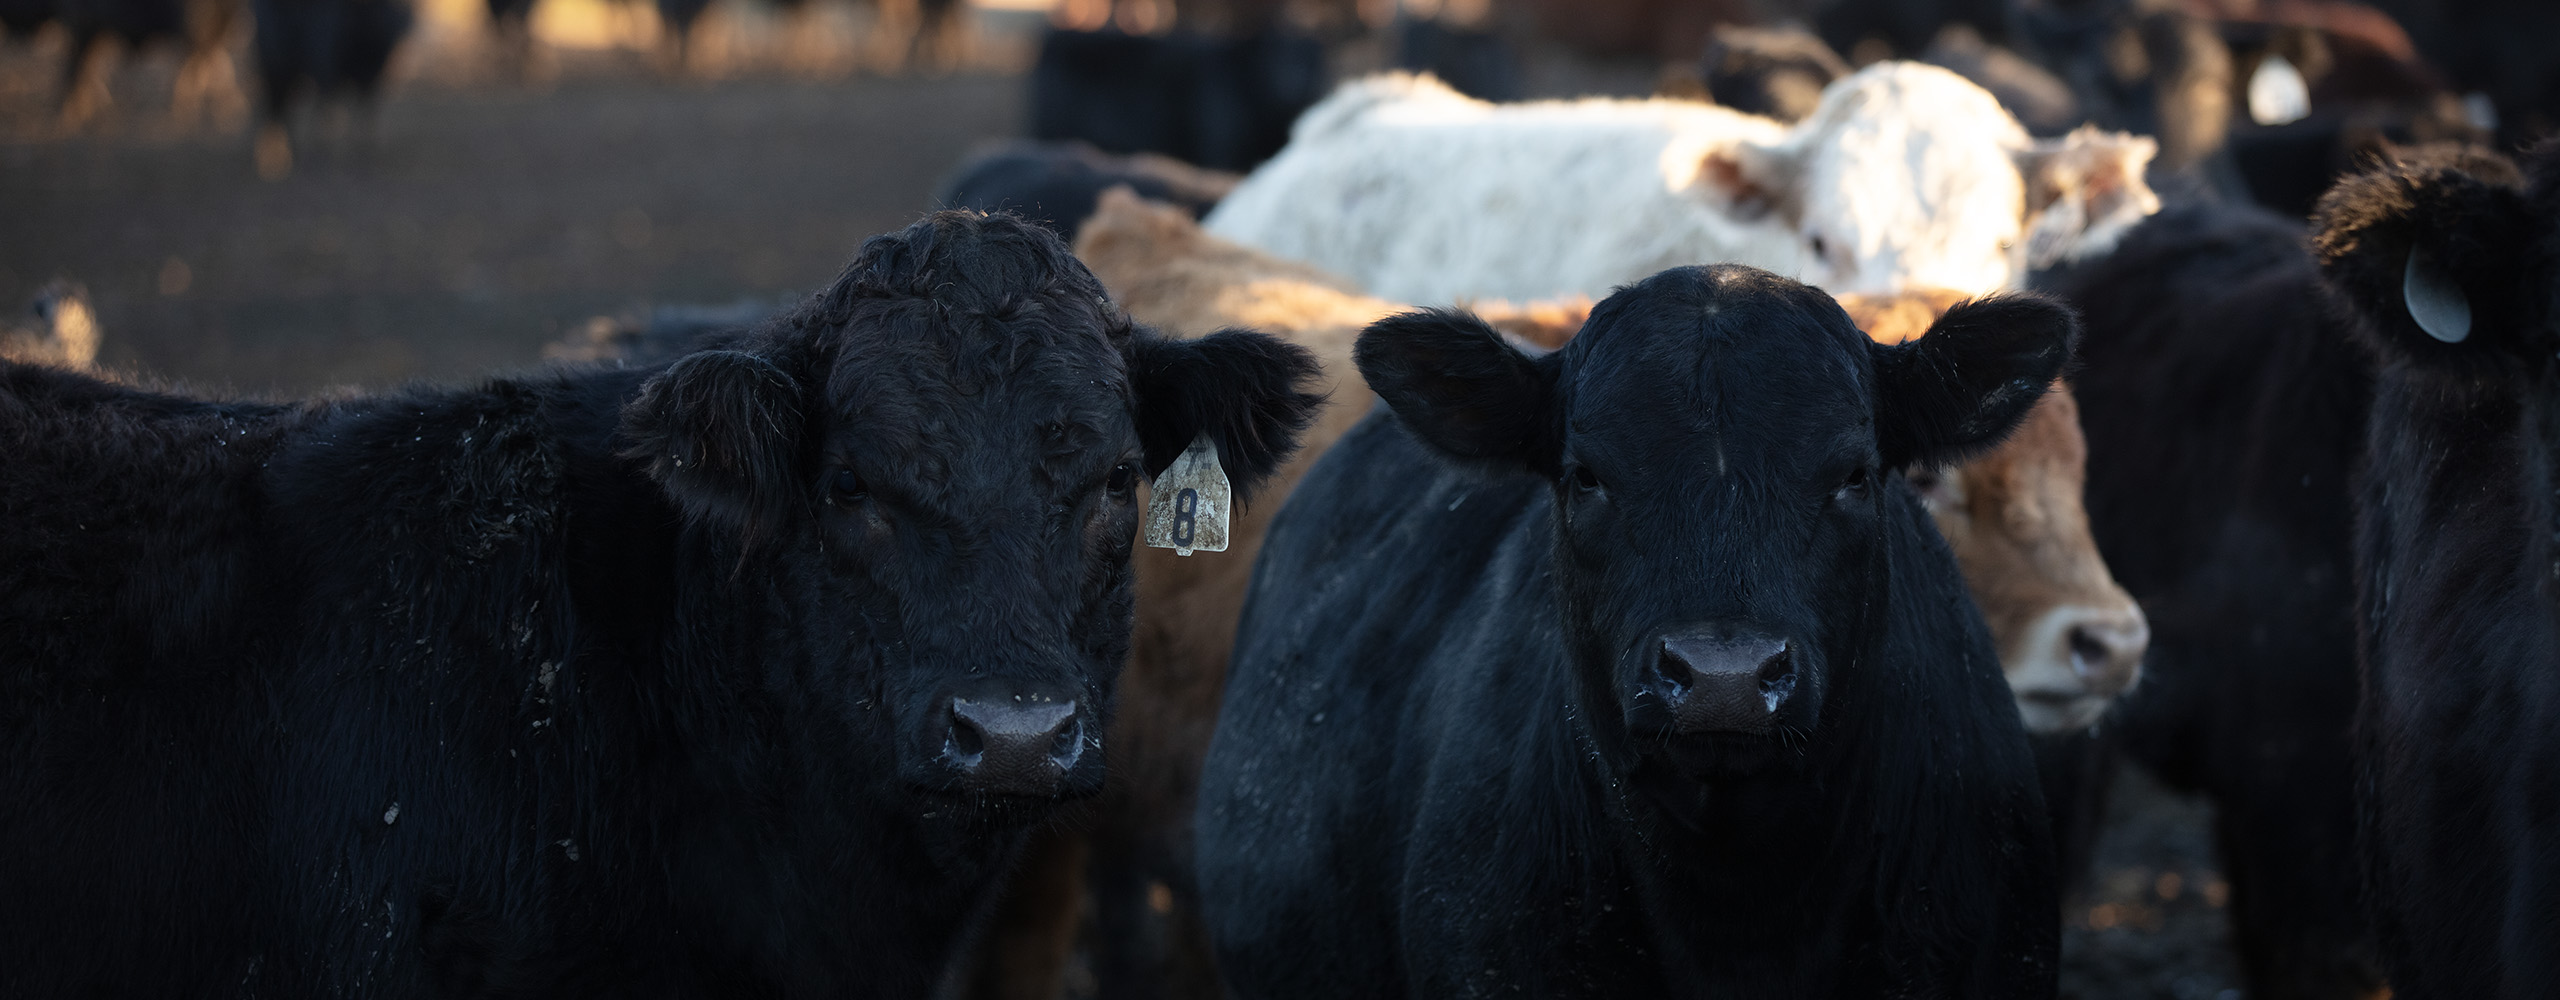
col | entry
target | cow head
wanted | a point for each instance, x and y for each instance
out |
(2070, 638)
(2453, 261)
(1722, 446)
(920, 487)
(1909, 175)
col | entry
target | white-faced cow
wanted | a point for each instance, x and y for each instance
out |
(1635, 669)
(1905, 175)
(740, 675)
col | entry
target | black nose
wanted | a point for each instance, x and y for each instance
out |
(1018, 745)
(1723, 685)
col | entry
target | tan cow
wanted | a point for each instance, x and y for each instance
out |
(2070, 638)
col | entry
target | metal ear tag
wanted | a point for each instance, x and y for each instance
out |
(2434, 300)
(1187, 506)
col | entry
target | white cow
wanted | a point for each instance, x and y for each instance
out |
(1905, 176)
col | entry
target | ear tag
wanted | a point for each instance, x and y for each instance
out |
(1187, 506)
(2434, 300)
(2277, 93)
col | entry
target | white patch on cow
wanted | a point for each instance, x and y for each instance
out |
(1905, 175)
(391, 815)
(2435, 300)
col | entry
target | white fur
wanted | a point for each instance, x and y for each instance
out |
(1908, 174)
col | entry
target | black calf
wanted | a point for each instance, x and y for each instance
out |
(736, 676)
(1636, 670)
(2451, 261)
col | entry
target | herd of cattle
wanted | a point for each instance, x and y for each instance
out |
(1660, 567)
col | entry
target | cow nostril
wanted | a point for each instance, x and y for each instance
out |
(2090, 655)
(1778, 679)
(1068, 742)
(1670, 675)
(966, 740)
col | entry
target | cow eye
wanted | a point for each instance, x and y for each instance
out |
(1583, 480)
(849, 487)
(1124, 478)
(1821, 247)
(1853, 487)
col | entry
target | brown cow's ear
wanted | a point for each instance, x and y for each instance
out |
(1463, 389)
(1245, 391)
(721, 432)
(1962, 387)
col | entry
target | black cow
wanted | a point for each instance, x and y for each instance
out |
(1057, 184)
(1636, 669)
(736, 676)
(1772, 72)
(1221, 103)
(323, 49)
(2222, 410)
(2451, 260)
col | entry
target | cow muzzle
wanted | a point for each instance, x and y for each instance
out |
(1721, 685)
(1012, 743)
(2076, 660)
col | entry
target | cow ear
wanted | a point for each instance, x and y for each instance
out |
(2083, 192)
(1755, 182)
(1246, 391)
(1964, 385)
(1462, 388)
(2432, 247)
(721, 432)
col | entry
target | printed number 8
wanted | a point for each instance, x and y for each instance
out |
(1186, 516)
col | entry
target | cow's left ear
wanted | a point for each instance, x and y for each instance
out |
(721, 432)
(2435, 248)
(2083, 192)
(1963, 386)
(1245, 390)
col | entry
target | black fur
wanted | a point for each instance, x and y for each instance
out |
(1057, 184)
(1959, 391)
(1429, 779)
(2458, 611)
(1220, 103)
(325, 48)
(2223, 409)
(476, 692)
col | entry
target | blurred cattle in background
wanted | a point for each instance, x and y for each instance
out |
(2499, 49)
(321, 50)
(2223, 409)
(2450, 261)
(59, 328)
(1127, 81)
(1424, 195)
(1776, 73)
(1458, 43)
(1057, 184)
(399, 677)
(207, 85)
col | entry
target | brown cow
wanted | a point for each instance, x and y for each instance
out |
(2070, 638)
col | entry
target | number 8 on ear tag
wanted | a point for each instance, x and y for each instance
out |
(1187, 505)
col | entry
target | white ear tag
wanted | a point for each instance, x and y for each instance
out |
(2278, 93)
(2434, 300)
(1187, 506)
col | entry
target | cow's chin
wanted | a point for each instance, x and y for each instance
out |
(1714, 758)
(2049, 715)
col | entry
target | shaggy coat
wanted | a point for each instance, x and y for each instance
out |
(1905, 175)
(635, 682)
(2223, 408)
(2457, 608)
(1448, 764)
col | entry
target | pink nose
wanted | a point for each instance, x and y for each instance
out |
(2106, 649)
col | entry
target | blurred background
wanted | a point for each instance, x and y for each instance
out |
(281, 197)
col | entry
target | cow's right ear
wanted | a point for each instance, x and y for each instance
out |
(1462, 388)
(721, 432)
(1244, 391)
(2434, 247)
(1963, 386)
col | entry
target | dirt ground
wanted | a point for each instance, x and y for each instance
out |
(479, 220)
